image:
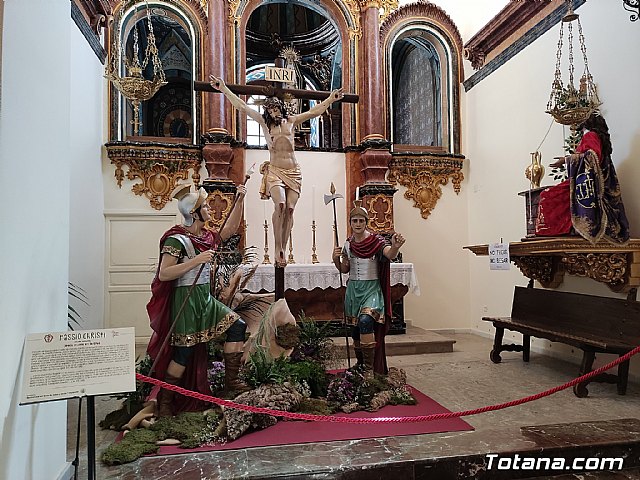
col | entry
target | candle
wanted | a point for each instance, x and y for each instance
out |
(357, 193)
(313, 202)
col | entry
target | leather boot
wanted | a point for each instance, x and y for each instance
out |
(359, 357)
(165, 397)
(232, 364)
(368, 355)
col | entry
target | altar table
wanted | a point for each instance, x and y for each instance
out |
(315, 289)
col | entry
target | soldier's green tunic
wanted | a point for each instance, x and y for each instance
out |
(203, 317)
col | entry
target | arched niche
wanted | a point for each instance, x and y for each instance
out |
(428, 97)
(174, 113)
(341, 19)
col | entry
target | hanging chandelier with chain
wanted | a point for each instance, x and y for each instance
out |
(567, 104)
(134, 87)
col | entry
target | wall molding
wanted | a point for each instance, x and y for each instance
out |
(92, 39)
(516, 46)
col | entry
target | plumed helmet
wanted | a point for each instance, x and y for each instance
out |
(189, 201)
(358, 210)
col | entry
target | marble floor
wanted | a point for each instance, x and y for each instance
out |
(602, 424)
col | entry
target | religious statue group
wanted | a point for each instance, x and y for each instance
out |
(185, 315)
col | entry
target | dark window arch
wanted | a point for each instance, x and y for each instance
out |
(416, 89)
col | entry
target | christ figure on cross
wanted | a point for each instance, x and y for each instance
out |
(281, 176)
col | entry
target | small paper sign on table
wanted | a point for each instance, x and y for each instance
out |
(63, 365)
(499, 256)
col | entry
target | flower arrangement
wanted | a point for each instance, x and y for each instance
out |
(215, 375)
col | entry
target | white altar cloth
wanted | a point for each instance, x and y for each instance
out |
(307, 276)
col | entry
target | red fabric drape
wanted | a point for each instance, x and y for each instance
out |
(159, 310)
(554, 209)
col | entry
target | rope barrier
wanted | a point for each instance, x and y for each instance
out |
(415, 419)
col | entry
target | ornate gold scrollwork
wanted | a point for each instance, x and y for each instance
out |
(617, 266)
(233, 11)
(423, 178)
(609, 268)
(220, 205)
(380, 208)
(543, 269)
(160, 167)
(386, 8)
(354, 9)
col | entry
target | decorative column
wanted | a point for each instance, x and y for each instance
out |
(222, 154)
(217, 143)
(372, 87)
(374, 155)
(217, 110)
(375, 191)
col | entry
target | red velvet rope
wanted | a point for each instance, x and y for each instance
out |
(420, 418)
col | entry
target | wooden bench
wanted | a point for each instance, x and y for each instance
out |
(593, 324)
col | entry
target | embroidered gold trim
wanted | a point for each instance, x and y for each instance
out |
(173, 251)
(375, 314)
(189, 340)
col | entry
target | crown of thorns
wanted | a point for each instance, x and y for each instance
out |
(272, 102)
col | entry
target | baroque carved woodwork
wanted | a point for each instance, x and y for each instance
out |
(609, 268)
(548, 259)
(220, 204)
(199, 7)
(96, 12)
(424, 175)
(426, 11)
(502, 30)
(159, 167)
(543, 269)
(380, 208)
(378, 200)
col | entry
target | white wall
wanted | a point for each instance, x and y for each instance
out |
(86, 242)
(319, 169)
(34, 214)
(505, 121)
(434, 246)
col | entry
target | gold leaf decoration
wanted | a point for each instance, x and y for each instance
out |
(423, 176)
(159, 167)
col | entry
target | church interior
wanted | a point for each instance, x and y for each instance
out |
(446, 104)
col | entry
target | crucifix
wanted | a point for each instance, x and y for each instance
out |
(281, 175)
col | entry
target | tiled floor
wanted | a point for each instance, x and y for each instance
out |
(460, 380)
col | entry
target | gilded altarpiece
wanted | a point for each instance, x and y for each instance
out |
(159, 167)
(546, 260)
(424, 175)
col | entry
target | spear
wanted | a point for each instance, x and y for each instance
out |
(186, 299)
(332, 198)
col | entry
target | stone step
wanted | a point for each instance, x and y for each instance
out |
(415, 342)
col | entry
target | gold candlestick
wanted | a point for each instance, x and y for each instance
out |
(244, 235)
(266, 243)
(314, 257)
(290, 258)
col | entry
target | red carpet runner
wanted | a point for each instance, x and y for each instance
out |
(291, 432)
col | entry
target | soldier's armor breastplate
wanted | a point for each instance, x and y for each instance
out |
(188, 278)
(361, 268)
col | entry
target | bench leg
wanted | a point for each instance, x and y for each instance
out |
(623, 376)
(497, 345)
(526, 347)
(588, 356)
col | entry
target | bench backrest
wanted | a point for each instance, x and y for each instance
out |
(589, 316)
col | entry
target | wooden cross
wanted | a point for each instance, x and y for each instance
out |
(277, 89)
